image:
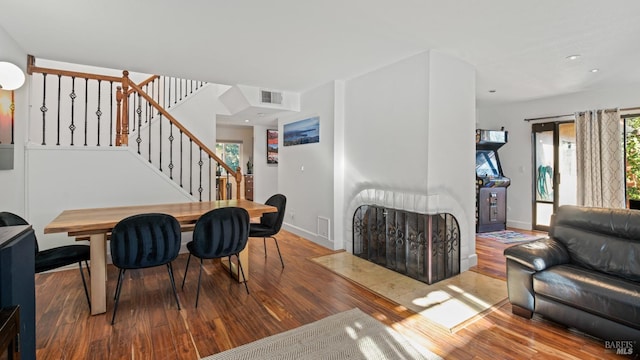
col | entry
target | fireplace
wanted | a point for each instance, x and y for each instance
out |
(425, 247)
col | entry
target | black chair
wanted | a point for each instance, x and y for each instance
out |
(57, 257)
(144, 241)
(270, 223)
(219, 233)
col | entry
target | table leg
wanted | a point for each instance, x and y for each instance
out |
(98, 246)
(244, 259)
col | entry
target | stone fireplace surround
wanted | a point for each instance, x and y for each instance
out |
(432, 204)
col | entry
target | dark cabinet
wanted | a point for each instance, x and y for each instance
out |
(248, 187)
(17, 282)
(10, 333)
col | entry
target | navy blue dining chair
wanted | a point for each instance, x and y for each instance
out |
(270, 223)
(144, 241)
(56, 257)
(219, 233)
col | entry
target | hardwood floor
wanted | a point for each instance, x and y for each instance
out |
(149, 325)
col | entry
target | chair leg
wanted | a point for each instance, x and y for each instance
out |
(230, 272)
(278, 247)
(173, 283)
(88, 267)
(84, 283)
(118, 288)
(185, 271)
(199, 277)
(242, 272)
(120, 273)
(264, 243)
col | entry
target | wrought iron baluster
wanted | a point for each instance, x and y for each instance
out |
(175, 90)
(72, 95)
(210, 170)
(160, 142)
(43, 108)
(86, 109)
(133, 110)
(200, 163)
(190, 166)
(181, 84)
(146, 110)
(111, 113)
(169, 98)
(171, 150)
(58, 120)
(181, 158)
(139, 113)
(148, 106)
(191, 86)
(99, 112)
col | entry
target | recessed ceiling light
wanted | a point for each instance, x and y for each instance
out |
(594, 70)
(572, 57)
(246, 120)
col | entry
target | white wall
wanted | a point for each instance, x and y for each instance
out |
(515, 156)
(12, 184)
(451, 163)
(409, 129)
(386, 125)
(62, 178)
(305, 172)
(198, 114)
(265, 176)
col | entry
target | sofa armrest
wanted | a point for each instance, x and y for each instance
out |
(538, 255)
(523, 261)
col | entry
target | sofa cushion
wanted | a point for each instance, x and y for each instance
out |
(607, 240)
(600, 294)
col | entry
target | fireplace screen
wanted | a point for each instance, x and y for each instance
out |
(424, 247)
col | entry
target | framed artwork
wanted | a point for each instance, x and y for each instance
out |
(305, 131)
(7, 107)
(272, 146)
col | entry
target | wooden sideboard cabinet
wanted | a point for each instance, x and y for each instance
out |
(248, 187)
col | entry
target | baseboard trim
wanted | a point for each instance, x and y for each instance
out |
(309, 235)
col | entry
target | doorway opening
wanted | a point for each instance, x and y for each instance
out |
(554, 170)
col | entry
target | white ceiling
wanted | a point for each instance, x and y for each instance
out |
(518, 47)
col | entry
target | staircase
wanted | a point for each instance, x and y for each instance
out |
(93, 110)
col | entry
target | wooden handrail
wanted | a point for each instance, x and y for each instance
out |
(126, 88)
(237, 174)
(32, 68)
(145, 82)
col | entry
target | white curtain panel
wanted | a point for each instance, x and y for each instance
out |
(599, 147)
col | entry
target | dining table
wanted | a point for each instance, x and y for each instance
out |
(95, 225)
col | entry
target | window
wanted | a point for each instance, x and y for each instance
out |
(632, 159)
(230, 153)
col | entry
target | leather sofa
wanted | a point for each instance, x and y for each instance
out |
(585, 275)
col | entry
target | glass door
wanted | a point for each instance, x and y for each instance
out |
(554, 170)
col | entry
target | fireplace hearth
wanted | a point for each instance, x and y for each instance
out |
(422, 246)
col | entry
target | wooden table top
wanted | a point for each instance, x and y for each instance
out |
(101, 220)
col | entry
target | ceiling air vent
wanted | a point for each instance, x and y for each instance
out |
(271, 97)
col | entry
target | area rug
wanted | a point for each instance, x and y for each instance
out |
(509, 236)
(450, 304)
(347, 335)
